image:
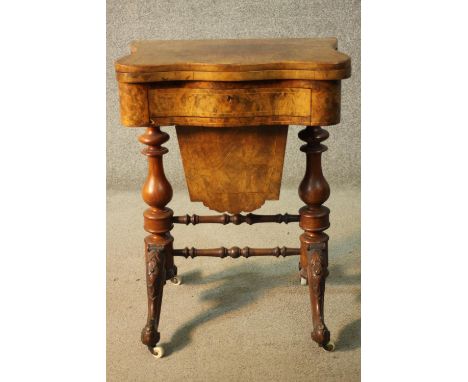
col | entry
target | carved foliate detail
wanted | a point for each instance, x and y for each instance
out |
(317, 273)
(155, 280)
(154, 271)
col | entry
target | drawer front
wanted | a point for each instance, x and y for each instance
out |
(241, 103)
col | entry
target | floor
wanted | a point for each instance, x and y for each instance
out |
(233, 319)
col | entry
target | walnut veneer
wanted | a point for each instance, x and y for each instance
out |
(232, 102)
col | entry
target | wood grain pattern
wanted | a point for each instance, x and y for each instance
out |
(239, 103)
(253, 75)
(326, 103)
(231, 104)
(134, 110)
(239, 60)
(283, 84)
(230, 122)
(242, 170)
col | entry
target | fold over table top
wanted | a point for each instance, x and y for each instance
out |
(233, 60)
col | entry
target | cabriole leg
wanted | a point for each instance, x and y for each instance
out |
(155, 280)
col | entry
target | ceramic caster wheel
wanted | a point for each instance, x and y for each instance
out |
(157, 352)
(176, 280)
(329, 347)
(303, 281)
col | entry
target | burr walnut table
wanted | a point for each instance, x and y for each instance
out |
(231, 102)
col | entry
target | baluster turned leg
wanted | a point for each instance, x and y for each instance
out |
(314, 191)
(157, 193)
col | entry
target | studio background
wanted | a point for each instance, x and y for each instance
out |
(233, 319)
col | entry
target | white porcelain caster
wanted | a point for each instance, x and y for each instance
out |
(176, 280)
(303, 281)
(157, 352)
(329, 347)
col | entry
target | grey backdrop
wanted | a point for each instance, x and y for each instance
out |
(209, 19)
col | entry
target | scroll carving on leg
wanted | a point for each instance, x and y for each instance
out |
(157, 193)
(155, 280)
(314, 219)
(317, 272)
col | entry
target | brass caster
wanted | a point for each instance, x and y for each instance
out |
(157, 351)
(329, 347)
(303, 281)
(176, 280)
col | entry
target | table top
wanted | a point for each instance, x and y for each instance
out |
(234, 60)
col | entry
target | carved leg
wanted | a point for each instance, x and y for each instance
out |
(317, 272)
(314, 191)
(157, 193)
(155, 279)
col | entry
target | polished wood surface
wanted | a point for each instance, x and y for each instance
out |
(235, 169)
(314, 191)
(235, 219)
(157, 193)
(214, 103)
(232, 102)
(134, 110)
(236, 252)
(234, 60)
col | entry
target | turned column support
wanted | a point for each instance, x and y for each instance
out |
(157, 193)
(314, 219)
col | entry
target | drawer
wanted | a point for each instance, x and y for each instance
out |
(220, 103)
